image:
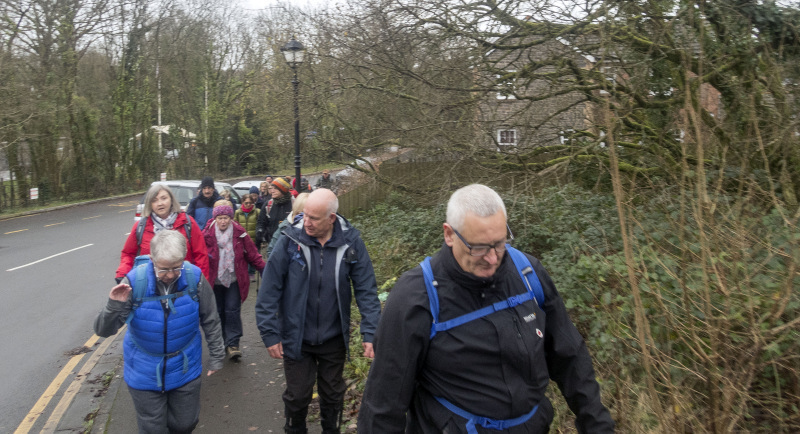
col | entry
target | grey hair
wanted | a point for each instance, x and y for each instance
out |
(168, 246)
(152, 193)
(476, 199)
(333, 205)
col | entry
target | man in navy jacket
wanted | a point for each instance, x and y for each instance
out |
(303, 308)
(201, 207)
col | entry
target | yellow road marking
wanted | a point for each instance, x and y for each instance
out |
(127, 210)
(54, 224)
(73, 389)
(14, 232)
(41, 404)
(93, 217)
(14, 218)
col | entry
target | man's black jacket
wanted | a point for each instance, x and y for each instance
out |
(497, 366)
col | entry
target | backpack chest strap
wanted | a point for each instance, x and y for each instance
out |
(508, 303)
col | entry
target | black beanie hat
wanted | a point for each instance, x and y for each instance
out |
(207, 182)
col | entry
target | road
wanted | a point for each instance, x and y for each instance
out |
(57, 268)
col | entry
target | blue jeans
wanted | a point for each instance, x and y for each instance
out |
(229, 308)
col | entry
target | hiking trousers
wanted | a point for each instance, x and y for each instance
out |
(174, 411)
(322, 364)
(229, 308)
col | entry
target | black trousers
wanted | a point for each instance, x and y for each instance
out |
(322, 364)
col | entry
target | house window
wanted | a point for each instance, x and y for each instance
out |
(506, 88)
(610, 74)
(565, 136)
(507, 138)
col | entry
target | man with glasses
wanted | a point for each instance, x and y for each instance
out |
(163, 348)
(483, 363)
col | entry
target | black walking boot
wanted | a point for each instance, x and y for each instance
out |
(331, 418)
(296, 422)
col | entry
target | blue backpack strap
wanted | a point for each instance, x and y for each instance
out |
(191, 280)
(510, 302)
(433, 295)
(525, 270)
(485, 422)
(191, 289)
(139, 289)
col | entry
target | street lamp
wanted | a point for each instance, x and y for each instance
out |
(293, 51)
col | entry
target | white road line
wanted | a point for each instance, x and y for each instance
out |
(49, 257)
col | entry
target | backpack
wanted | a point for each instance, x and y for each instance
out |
(524, 269)
(187, 227)
(139, 286)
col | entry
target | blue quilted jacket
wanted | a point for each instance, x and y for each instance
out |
(163, 348)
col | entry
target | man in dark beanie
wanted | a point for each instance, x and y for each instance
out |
(202, 206)
(275, 210)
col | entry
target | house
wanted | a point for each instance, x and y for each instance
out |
(163, 134)
(549, 89)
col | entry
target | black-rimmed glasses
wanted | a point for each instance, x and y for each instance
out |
(482, 250)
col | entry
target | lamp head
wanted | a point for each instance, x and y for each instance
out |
(294, 52)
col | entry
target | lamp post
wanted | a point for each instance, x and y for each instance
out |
(293, 51)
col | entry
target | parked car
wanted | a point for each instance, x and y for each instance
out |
(243, 187)
(186, 190)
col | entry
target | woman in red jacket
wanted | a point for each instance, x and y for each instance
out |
(230, 249)
(162, 211)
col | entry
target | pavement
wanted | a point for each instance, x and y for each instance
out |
(243, 397)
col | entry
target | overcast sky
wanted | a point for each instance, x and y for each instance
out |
(260, 4)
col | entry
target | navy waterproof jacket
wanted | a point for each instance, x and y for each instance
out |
(202, 209)
(283, 296)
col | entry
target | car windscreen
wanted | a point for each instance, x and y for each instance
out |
(183, 194)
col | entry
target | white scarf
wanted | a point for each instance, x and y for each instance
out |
(225, 272)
